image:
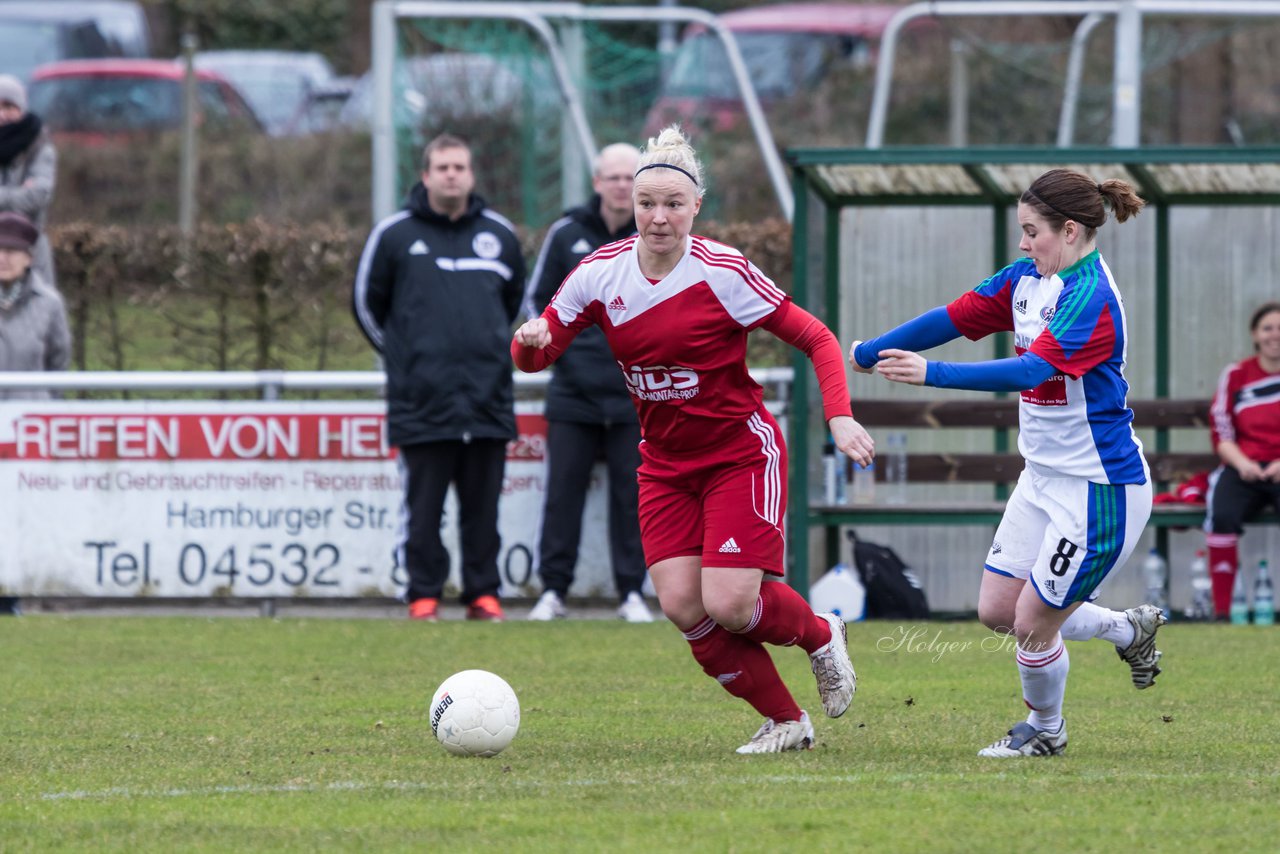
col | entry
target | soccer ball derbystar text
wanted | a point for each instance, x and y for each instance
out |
(475, 713)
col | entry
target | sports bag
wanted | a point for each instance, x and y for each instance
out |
(893, 590)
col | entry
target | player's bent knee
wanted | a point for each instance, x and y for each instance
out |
(996, 619)
(730, 613)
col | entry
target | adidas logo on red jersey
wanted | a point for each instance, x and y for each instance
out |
(617, 304)
(730, 547)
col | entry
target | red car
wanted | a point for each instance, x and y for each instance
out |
(95, 100)
(788, 49)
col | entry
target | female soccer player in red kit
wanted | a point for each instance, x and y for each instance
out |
(676, 309)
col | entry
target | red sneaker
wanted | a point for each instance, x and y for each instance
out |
(486, 608)
(424, 609)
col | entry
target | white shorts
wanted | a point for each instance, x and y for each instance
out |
(1066, 534)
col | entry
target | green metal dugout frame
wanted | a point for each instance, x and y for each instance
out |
(993, 178)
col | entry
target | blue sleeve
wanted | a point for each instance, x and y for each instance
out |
(1017, 374)
(929, 330)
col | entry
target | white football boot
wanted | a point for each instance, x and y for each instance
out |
(774, 737)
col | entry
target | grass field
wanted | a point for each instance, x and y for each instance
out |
(160, 733)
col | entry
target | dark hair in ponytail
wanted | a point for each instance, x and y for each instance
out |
(1064, 194)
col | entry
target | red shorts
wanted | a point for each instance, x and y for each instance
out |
(727, 507)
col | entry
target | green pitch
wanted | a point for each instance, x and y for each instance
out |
(233, 734)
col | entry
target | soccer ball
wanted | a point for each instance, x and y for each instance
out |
(475, 713)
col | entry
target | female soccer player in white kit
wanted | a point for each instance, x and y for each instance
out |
(676, 309)
(1084, 497)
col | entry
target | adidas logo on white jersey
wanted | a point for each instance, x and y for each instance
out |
(617, 304)
(1020, 306)
(729, 547)
(582, 247)
(418, 248)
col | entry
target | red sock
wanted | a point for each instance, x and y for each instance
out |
(783, 618)
(1224, 557)
(743, 668)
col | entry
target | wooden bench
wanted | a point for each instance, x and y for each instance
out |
(1001, 469)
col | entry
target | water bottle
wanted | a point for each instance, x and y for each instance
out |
(1201, 607)
(832, 474)
(1239, 602)
(895, 473)
(864, 483)
(1155, 574)
(1264, 607)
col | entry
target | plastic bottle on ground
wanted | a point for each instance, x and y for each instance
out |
(1201, 605)
(1264, 607)
(1155, 576)
(1239, 612)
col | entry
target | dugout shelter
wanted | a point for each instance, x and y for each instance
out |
(881, 235)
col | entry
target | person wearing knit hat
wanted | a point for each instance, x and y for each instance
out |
(12, 92)
(28, 167)
(34, 335)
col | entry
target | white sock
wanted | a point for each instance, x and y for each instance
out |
(1091, 621)
(1044, 683)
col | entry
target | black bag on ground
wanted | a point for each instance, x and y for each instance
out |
(893, 591)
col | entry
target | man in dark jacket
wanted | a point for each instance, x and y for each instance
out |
(589, 409)
(438, 287)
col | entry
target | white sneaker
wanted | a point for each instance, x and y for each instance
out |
(1026, 740)
(548, 607)
(774, 737)
(1141, 654)
(634, 610)
(831, 664)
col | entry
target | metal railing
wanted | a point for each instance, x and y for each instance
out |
(273, 383)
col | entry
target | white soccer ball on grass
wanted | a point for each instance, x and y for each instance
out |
(475, 713)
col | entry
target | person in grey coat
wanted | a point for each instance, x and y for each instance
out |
(33, 322)
(28, 168)
(34, 335)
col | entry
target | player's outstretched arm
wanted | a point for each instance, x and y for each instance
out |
(925, 332)
(1019, 373)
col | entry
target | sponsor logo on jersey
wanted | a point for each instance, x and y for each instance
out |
(726, 678)
(418, 248)
(996, 548)
(659, 382)
(486, 245)
(1049, 585)
(1051, 392)
(1020, 306)
(616, 304)
(582, 247)
(730, 547)
(1046, 313)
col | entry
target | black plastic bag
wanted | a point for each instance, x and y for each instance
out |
(893, 590)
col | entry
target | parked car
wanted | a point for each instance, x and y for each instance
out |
(33, 34)
(443, 87)
(276, 83)
(788, 50)
(320, 112)
(95, 100)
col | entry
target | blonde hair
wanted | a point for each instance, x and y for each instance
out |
(670, 148)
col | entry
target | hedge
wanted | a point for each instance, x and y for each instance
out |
(256, 295)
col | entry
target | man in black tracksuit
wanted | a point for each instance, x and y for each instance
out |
(589, 409)
(438, 287)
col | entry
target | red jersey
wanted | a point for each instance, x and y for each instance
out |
(682, 343)
(1246, 410)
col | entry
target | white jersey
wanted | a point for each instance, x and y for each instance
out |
(1077, 422)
